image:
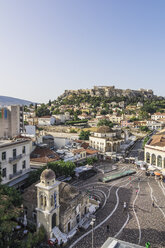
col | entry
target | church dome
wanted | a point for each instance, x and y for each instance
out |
(104, 129)
(48, 174)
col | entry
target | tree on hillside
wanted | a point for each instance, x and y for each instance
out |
(49, 103)
(144, 129)
(42, 111)
(105, 123)
(103, 112)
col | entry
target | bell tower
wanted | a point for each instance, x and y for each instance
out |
(48, 201)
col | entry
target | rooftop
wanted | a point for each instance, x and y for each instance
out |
(43, 155)
(4, 143)
(115, 243)
(104, 129)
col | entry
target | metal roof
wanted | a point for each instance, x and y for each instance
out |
(115, 243)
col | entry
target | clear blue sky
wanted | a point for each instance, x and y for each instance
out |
(47, 46)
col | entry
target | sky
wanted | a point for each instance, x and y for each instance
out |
(48, 46)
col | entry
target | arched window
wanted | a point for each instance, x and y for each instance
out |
(53, 220)
(45, 201)
(114, 147)
(159, 161)
(148, 157)
(153, 159)
(52, 200)
(41, 200)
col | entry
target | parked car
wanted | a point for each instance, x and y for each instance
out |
(53, 241)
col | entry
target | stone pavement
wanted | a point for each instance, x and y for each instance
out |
(141, 222)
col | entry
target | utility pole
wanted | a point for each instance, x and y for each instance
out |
(92, 224)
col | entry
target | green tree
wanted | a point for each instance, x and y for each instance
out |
(144, 128)
(105, 122)
(42, 111)
(92, 160)
(62, 168)
(103, 112)
(9, 210)
(49, 103)
(72, 130)
(84, 135)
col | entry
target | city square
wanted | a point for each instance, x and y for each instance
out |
(139, 223)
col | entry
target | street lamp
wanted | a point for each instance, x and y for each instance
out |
(92, 224)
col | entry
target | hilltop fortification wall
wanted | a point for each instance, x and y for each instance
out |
(111, 91)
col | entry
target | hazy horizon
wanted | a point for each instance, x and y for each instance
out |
(49, 46)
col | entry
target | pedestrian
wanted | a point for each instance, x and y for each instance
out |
(148, 245)
(153, 204)
(130, 185)
(124, 206)
(136, 191)
(139, 179)
(107, 228)
(61, 243)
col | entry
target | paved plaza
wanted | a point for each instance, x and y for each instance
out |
(139, 223)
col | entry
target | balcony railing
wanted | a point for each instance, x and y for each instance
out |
(15, 158)
(15, 174)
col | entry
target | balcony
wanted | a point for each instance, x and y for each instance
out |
(16, 158)
(15, 174)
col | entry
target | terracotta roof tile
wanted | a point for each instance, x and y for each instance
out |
(43, 155)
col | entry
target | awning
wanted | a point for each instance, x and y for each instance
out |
(18, 180)
(157, 173)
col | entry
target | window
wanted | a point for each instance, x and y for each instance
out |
(14, 168)
(24, 164)
(45, 201)
(41, 200)
(23, 149)
(4, 172)
(14, 153)
(52, 201)
(3, 155)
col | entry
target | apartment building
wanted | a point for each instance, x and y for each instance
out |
(14, 161)
(11, 121)
(157, 116)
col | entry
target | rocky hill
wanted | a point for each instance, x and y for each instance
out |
(111, 91)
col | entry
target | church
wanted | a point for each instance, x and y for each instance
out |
(56, 205)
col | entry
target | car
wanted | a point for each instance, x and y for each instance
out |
(53, 241)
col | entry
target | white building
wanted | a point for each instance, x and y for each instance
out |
(155, 150)
(139, 104)
(105, 140)
(62, 118)
(157, 116)
(46, 120)
(11, 121)
(14, 160)
(115, 118)
(155, 125)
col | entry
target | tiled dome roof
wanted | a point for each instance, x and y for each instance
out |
(104, 129)
(48, 174)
